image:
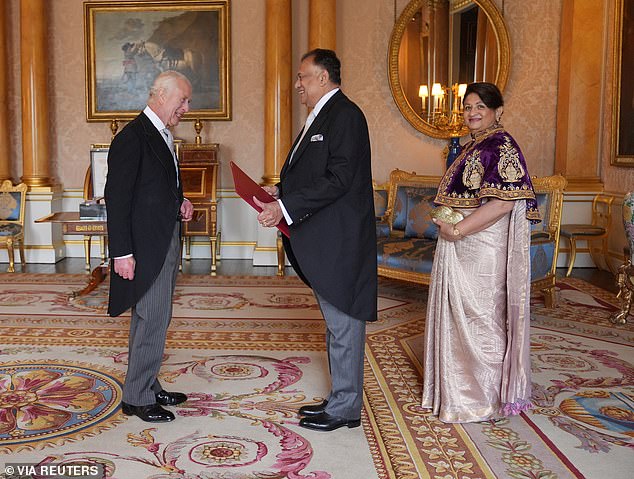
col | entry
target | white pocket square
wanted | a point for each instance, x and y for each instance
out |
(317, 138)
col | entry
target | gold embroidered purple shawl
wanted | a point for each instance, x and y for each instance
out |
(490, 165)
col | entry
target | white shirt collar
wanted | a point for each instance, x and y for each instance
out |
(156, 121)
(322, 101)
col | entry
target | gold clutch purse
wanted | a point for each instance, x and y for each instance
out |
(446, 214)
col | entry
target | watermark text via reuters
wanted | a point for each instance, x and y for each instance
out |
(75, 470)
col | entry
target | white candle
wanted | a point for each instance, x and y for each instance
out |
(461, 90)
(423, 93)
(437, 93)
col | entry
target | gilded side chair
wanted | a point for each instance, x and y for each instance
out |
(12, 206)
(596, 231)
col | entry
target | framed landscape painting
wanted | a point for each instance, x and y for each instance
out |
(128, 44)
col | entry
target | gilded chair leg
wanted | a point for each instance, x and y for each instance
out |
(281, 257)
(571, 256)
(102, 248)
(188, 248)
(549, 297)
(11, 268)
(87, 241)
(180, 255)
(214, 246)
(22, 256)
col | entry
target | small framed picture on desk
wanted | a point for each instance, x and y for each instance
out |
(98, 171)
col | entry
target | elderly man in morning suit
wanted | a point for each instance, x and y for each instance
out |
(145, 204)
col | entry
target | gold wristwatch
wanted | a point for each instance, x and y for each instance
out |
(456, 231)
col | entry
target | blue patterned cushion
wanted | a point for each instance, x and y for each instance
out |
(10, 205)
(406, 254)
(399, 215)
(10, 230)
(419, 223)
(543, 205)
(380, 203)
(382, 229)
(542, 253)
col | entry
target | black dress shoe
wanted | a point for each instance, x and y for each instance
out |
(149, 413)
(326, 422)
(314, 409)
(165, 398)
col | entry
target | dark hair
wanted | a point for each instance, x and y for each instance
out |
(490, 94)
(326, 59)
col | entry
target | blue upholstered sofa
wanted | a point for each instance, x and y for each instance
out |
(406, 236)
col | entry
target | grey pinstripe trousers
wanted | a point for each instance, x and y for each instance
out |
(150, 319)
(345, 343)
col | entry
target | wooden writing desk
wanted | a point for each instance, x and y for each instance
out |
(73, 225)
(199, 163)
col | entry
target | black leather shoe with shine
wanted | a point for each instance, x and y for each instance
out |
(149, 413)
(326, 422)
(313, 409)
(165, 398)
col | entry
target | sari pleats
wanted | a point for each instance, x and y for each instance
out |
(476, 360)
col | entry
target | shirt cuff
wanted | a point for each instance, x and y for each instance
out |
(126, 256)
(287, 217)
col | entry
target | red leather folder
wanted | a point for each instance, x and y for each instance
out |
(247, 189)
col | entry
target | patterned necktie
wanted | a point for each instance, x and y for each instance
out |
(309, 121)
(170, 144)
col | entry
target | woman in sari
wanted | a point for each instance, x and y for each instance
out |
(476, 361)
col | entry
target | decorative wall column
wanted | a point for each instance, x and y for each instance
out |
(34, 69)
(277, 95)
(580, 92)
(322, 24)
(277, 112)
(5, 153)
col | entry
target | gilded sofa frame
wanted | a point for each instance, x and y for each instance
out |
(551, 185)
(400, 178)
(554, 186)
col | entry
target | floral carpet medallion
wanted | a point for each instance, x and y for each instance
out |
(266, 448)
(249, 352)
(48, 402)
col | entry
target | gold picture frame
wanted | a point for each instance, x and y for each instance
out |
(623, 107)
(127, 44)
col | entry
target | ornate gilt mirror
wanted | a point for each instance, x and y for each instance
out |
(447, 43)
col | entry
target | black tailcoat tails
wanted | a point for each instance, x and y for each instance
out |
(327, 191)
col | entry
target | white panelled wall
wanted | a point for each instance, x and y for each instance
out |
(241, 235)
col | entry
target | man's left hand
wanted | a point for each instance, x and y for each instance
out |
(187, 210)
(271, 213)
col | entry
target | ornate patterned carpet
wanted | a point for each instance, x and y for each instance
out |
(249, 351)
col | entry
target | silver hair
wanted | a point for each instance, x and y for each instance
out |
(165, 81)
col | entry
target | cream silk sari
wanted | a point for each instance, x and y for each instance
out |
(476, 361)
